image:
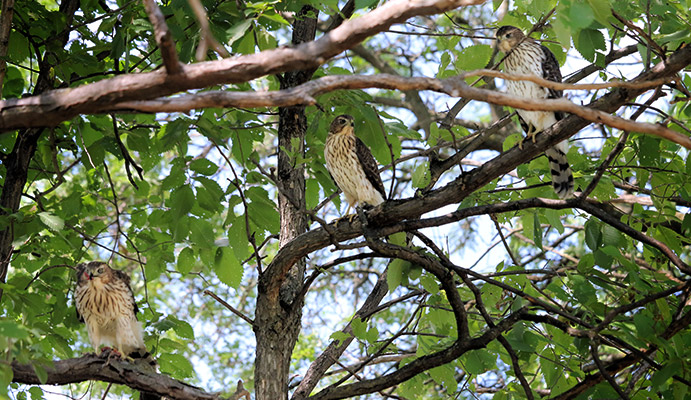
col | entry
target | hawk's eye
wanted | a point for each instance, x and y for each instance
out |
(343, 121)
(508, 35)
(100, 270)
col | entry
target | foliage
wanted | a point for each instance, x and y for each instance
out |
(203, 213)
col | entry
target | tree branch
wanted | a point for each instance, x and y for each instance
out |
(456, 87)
(61, 105)
(163, 38)
(93, 367)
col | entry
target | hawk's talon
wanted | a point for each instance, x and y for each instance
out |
(349, 217)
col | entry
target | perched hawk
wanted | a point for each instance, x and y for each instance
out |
(105, 302)
(526, 56)
(352, 165)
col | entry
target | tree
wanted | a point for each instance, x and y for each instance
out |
(130, 135)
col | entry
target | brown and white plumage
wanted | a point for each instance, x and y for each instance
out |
(105, 303)
(352, 165)
(526, 56)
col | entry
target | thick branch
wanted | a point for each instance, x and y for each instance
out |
(93, 367)
(306, 93)
(61, 105)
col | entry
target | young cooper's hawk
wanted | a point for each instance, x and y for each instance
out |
(105, 302)
(352, 165)
(526, 56)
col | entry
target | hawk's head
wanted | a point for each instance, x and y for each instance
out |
(508, 37)
(92, 270)
(343, 124)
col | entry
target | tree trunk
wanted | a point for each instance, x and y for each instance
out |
(16, 164)
(279, 312)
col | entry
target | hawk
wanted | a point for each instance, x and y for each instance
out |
(105, 302)
(352, 165)
(526, 56)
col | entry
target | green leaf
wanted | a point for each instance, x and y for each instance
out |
(645, 326)
(262, 211)
(537, 235)
(473, 57)
(53, 222)
(612, 236)
(587, 41)
(445, 375)
(6, 375)
(430, 284)
(362, 4)
(176, 365)
(340, 336)
(359, 328)
(394, 274)
(662, 376)
(649, 148)
(201, 232)
(42, 376)
(580, 14)
(203, 166)
(421, 175)
(583, 290)
(479, 361)
(186, 260)
(238, 30)
(237, 238)
(553, 219)
(13, 330)
(601, 10)
(181, 201)
(173, 133)
(35, 391)
(593, 235)
(228, 267)
(311, 193)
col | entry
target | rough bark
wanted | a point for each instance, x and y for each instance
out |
(93, 367)
(279, 312)
(16, 163)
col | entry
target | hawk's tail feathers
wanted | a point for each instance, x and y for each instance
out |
(562, 178)
(144, 358)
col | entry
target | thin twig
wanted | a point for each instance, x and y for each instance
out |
(229, 307)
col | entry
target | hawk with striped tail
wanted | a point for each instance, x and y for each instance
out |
(525, 56)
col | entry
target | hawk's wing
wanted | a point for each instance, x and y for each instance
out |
(120, 275)
(80, 270)
(369, 165)
(551, 72)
